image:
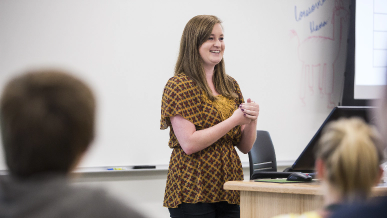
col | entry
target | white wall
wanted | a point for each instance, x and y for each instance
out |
(126, 50)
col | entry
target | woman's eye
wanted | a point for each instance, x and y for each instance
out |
(211, 38)
(221, 39)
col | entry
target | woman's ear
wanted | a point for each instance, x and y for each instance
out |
(320, 169)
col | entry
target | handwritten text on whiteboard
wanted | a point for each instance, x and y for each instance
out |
(308, 11)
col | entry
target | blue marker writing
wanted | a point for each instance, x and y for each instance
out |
(314, 28)
(308, 11)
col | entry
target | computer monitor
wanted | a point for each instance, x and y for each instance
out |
(305, 162)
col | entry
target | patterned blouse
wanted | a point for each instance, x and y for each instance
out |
(199, 177)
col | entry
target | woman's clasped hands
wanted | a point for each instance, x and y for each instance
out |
(250, 109)
(248, 112)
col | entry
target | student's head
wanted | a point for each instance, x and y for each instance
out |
(190, 60)
(47, 122)
(348, 158)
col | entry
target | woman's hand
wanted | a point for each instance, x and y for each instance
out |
(249, 131)
(240, 117)
(250, 109)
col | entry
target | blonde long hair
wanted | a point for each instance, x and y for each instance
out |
(349, 151)
(189, 62)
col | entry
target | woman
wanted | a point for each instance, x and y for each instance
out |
(347, 163)
(207, 116)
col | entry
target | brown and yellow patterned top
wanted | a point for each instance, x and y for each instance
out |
(199, 177)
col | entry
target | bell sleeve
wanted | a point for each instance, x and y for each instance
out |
(181, 97)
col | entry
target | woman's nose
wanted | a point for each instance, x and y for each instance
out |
(217, 43)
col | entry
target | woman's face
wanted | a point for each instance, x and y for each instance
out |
(211, 51)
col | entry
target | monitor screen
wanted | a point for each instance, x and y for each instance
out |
(366, 67)
(305, 162)
(370, 48)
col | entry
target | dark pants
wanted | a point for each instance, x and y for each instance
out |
(205, 210)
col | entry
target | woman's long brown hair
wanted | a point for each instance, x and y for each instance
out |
(189, 62)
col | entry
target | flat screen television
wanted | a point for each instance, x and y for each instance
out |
(305, 162)
(366, 67)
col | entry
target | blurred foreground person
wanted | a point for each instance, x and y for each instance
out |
(378, 207)
(47, 124)
(347, 164)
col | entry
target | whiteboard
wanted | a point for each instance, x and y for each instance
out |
(287, 55)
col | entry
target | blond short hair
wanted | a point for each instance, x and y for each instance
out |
(349, 150)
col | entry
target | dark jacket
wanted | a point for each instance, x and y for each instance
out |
(53, 196)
